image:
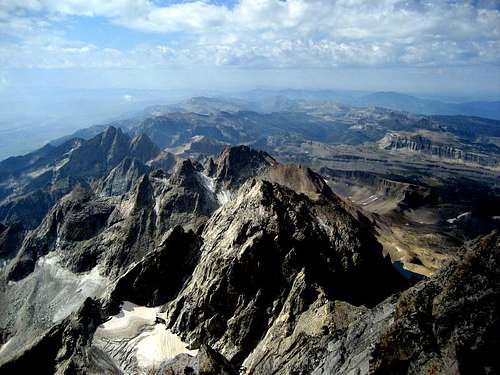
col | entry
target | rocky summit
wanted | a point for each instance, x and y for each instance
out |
(215, 259)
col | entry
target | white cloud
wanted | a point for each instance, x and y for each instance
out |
(272, 33)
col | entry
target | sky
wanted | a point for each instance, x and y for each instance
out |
(409, 46)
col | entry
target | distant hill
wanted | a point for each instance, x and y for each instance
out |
(408, 103)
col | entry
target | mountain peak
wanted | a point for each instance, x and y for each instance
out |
(236, 164)
(143, 148)
(300, 179)
(184, 173)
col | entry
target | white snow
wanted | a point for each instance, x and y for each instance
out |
(39, 172)
(451, 221)
(159, 345)
(207, 182)
(370, 199)
(223, 195)
(157, 204)
(323, 225)
(4, 346)
(3, 263)
(61, 164)
(134, 331)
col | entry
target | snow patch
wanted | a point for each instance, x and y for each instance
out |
(159, 345)
(3, 264)
(4, 346)
(370, 199)
(157, 204)
(39, 172)
(207, 182)
(323, 225)
(136, 332)
(451, 221)
(223, 196)
(61, 164)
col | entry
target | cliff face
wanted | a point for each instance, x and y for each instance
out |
(420, 144)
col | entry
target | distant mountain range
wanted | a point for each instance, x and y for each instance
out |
(20, 134)
(408, 103)
(384, 99)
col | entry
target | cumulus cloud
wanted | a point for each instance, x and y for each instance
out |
(266, 33)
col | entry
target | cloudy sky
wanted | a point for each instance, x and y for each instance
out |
(413, 45)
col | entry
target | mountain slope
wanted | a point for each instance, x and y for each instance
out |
(151, 263)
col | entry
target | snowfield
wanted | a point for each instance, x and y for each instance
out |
(135, 341)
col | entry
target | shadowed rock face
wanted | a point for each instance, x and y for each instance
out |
(32, 184)
(446, 324)
(159, 276)
(102, 153)
(10, 238)
(121, 179)
(450, 323)
(77, 217)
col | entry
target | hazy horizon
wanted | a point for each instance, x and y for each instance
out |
(65, 65)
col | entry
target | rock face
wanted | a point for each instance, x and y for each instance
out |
(447, 324)
(102, 153)
(62, 349)
(206, 362)
(10, 239)
(159, 276)
(121, 178)
(76, 218)
(438, 325)
(235, 165)
(255, 247)
(239, 264)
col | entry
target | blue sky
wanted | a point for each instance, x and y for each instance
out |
(411, 45)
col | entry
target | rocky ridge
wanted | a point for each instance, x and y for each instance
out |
(257, 265)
